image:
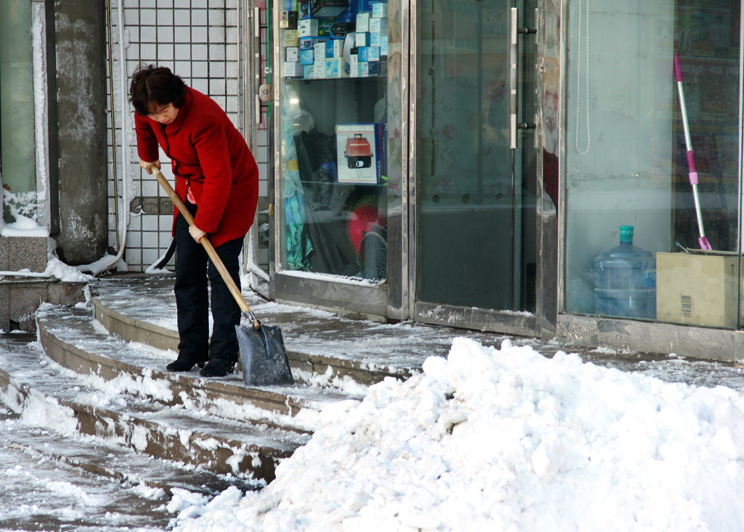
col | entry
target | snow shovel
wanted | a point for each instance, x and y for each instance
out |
(702, 240)
(262, 351)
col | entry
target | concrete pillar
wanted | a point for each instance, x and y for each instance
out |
(80, 45)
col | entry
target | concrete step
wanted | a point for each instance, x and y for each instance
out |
(323, 349)
(305, 364)
(69, 403)
(73, 339)
(20, 297)
(47, 484)
(118, 463)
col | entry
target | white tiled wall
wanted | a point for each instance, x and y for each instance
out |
(198, 40)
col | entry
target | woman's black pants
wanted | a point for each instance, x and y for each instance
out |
(194, 271)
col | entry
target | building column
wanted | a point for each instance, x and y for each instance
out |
(80, 57)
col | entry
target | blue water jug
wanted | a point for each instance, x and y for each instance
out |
(625, 280)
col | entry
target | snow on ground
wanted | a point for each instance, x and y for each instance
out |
(40, 493)
(23, 226)
(506, 440)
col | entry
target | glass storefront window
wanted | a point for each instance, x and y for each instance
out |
(17, 145)
(632, 221)
(333, 137)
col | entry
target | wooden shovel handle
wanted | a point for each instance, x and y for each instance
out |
(207, 245)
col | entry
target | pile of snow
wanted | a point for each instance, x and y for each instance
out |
(23, 226)
(68, 274)
(104, 263)
(505, 440)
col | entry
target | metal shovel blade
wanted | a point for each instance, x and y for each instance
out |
(263, 356)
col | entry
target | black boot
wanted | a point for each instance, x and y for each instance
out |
(217, 367)
(184, 364)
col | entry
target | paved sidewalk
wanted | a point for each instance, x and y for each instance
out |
(397, 348)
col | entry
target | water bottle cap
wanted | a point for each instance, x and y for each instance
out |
(626, 234)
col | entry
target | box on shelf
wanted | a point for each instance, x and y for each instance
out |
(373, 53)
(369, 69)
(309, 71)
(307, 57)
(353, 66)
(328, 8)
(308, 27)
(293, 54)
(334, 48)
(361, 39)
(308, 43)
(378, 25)
(383, 45)
(340, 29)
(319, 49)
(324, 27)
(320, 69)
(291, 38)
(362, 21)
(337, 68)
(288, 20)
(360, 152)
(379, 9)
(698, 288)
(293, 69)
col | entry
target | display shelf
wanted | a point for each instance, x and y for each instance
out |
(378, 77)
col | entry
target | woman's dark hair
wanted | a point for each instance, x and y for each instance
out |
(155, 84)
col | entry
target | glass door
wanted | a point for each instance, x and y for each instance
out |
(476, 159)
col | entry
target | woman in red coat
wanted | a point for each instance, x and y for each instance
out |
(217, 177)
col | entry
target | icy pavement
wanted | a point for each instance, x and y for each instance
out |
(70, 481)
(40, 493)
(668, 368)
(401, 345)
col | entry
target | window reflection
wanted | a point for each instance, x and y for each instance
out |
(626, 157)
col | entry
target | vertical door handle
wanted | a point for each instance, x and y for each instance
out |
(513, 76)
(514, 33)
(257, 59)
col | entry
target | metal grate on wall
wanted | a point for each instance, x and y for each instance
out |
(199, 41)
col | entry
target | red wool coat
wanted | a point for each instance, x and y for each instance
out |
(209, 154)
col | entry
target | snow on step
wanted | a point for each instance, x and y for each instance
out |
(46, 394)
(75, 340)
(119, 463)
(323, 348)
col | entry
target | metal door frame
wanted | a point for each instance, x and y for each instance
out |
(251, 110)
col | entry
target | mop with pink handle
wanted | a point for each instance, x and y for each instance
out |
(690, 156)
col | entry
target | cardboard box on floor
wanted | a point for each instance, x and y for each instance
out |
(698, 288)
